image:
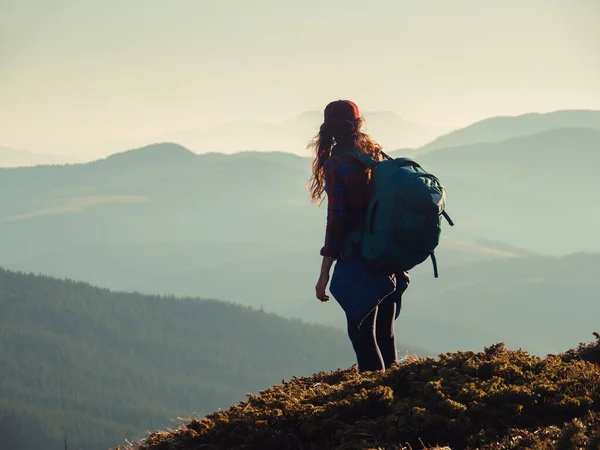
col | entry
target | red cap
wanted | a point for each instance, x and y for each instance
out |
(341, 110)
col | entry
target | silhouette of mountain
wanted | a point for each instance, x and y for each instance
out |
(293, 135)
(503, 128)
(9, 157)
(160, 153)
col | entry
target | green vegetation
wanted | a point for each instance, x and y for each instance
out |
(104, 366)
(496, 399)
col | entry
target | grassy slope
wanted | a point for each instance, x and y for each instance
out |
(496, 399)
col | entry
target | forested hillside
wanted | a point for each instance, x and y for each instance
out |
(103, 366)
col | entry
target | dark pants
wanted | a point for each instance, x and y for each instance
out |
(375, 342)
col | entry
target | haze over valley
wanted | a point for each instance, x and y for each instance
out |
(161, 219)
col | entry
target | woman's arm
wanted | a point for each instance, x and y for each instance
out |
(335, 229)
(336, 213)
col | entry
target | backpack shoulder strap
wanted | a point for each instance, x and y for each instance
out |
(434, 262)
(363, 158)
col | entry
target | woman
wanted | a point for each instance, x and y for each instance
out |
(371, 300)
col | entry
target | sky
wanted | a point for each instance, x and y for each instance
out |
(78, 73)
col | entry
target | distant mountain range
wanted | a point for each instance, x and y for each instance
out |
(293, 135)
(9, 157)
(240, 228)
(161, 219)
(385, 127)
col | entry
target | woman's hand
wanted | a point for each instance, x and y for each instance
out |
(324, 279)
(321, 287)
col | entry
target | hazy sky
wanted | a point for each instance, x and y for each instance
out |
(77, 72)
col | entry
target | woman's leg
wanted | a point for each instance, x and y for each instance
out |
(364, 342)
(384, 327)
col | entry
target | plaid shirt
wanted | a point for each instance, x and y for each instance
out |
(346, 185)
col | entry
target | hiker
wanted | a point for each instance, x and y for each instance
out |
(370, 299)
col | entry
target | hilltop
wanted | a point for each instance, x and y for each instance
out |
(498, 399)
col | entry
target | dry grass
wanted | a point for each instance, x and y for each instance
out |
(497, 399)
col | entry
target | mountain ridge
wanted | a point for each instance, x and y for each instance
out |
(500, 128)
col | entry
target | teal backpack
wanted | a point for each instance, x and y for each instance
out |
(403, 222)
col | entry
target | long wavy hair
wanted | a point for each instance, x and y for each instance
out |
(347, 133)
